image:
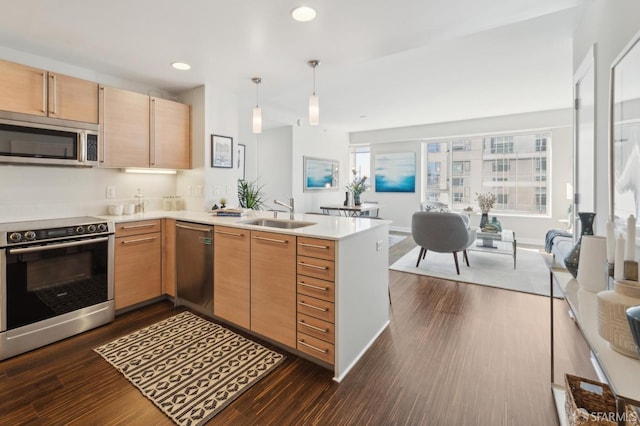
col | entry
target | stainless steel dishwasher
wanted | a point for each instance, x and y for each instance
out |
(194, 266)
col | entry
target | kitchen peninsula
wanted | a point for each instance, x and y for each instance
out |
(335, 300)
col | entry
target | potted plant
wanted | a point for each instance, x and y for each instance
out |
(485, 202)
(357, 186)
(223, 202)
(250, 195)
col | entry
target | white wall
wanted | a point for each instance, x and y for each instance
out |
(318, 142)
(189, 181)
(274, 153)
(398, 207)
(609, 25)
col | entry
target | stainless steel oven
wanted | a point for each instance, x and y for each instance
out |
(56, 280)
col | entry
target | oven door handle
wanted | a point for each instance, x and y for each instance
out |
(57, 245)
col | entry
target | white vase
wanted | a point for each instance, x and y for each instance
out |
(613, 325)
(592, 265)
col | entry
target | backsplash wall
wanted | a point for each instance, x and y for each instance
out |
(33, 192)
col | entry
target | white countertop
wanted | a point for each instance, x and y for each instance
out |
(329, 227)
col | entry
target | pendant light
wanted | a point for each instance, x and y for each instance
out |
(314, 104)
(257, 111)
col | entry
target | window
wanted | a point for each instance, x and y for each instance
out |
(360, 161)
(502, 145)
(433, 147)
(511, 166)
(459, 167)
(433, 174)
(501, 165)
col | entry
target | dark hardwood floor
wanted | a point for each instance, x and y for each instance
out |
(453, 354)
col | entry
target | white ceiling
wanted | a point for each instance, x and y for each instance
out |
(399, 63)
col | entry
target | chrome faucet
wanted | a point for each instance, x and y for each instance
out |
(290, 206)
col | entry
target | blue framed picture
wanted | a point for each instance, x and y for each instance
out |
(395, 172)
(320, 174)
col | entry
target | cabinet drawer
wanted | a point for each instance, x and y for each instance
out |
(316, 348)
(138, 227)
(314, 287)
(314, 247)
(317, 268)
(316, 308)
(315, 327)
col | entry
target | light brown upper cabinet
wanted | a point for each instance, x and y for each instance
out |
(170, 143)
(142, 131)
(124, 128)
(34, 91)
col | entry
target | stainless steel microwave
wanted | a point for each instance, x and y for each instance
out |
(39, 142)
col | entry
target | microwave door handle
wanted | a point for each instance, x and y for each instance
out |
(56, 246)
(82, 155)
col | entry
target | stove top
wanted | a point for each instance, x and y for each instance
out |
(38, 231)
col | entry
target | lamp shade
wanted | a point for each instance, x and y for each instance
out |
(592, 274)
(257, 119)
(314, 110)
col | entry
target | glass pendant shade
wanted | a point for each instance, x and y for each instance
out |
(257, 119)
(314, 110)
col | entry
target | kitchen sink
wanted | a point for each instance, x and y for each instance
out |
(278, 223)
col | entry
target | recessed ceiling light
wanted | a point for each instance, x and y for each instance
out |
(181, 66)
(303, 14)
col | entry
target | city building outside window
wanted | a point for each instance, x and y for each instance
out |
(513, 167)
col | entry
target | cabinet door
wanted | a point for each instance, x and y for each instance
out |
(273, 286)
(124, 130)
(232, 275)
(23, 89)
(137, 269)
(169, 257)
(72, 98)
(170, 134)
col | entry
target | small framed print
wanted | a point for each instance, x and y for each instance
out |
(221, 151)
(240, 154)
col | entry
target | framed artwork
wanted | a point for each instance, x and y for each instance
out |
(221, 151)
(240, 153)
(395, 172)
(320, 174)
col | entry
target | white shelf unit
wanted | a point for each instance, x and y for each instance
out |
(622, 373)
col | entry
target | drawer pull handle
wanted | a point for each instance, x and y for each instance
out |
(231, 234)
(314, 246)
(324, 268)
(323, 351)
(273, 240)
(313, 307)
(145, 225)
(139, 240)
(315, 287)
(313, 327)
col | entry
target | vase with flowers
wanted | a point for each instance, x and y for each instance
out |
(357, 186)
(485, 200)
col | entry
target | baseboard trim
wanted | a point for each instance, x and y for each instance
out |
(357, 358)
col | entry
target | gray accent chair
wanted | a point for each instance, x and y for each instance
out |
(443, 233)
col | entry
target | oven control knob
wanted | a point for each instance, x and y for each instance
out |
(15, 236)
(102, 227)
(30, 235)
(91, 228)
(80, 230)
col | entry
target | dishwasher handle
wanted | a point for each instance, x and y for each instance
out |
(193, 228)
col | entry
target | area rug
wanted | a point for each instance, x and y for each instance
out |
(395, 239)
(491, 269)
(190, 368)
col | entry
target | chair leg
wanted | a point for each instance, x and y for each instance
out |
(455, 257)
(421, 256)
(466, 257)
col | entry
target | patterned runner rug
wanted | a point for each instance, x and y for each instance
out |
(189, 367)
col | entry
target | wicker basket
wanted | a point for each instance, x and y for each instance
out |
(592, 403)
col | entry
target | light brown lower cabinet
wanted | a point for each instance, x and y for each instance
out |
(231, 275)
(273, 286)
(138, 269)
